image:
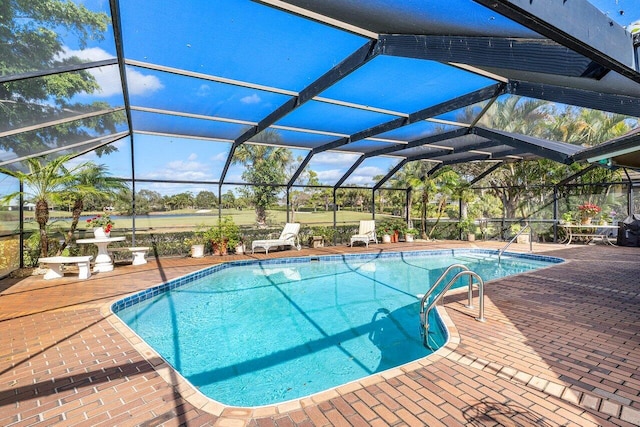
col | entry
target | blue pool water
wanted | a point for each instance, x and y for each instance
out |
(257, 333)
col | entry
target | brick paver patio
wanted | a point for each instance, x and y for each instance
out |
(561, 346)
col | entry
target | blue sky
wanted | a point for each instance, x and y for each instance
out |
(624, 12)
(232, 43)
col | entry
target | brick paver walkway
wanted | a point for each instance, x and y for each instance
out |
(561, 346)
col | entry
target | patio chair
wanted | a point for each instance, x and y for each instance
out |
(366, 233)
(288, 237)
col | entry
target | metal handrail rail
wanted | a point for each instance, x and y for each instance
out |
(515, 237)
(424, 314)
(426, 296)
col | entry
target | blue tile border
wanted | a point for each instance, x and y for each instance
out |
(192, 277)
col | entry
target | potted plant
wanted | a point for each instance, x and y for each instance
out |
(588, 211)
(567, 218)
(240, 246)
(522, 238)
(384, 231)
(197, 241)
(101, 225)
(393, 227)
(467, 227)
(223, 235)
(410, 234)
(321, 236)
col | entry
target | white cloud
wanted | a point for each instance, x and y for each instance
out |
(204, 90)
(108, 78)
(360, 180)
(370, 171)
(220, 157)
(252, 99)
(139, 84)
(91, 54)
(364, 175)
(331, 175)
(335, 159)
(92, 156)
(192, 157)
(181, 170)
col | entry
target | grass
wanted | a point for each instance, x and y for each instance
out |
(190, 219)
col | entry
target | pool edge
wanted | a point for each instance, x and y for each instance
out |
(236, 413)
(194, 396)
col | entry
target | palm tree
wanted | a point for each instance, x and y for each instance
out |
(90, 179)
(46, 182)
(437, 187)
(514, 114)
(265, 165)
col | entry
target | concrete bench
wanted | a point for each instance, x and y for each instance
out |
(55, 264)
(139, 253)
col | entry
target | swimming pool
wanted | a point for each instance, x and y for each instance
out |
(256, 333)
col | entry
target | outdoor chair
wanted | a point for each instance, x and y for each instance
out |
(366, 233)
(288, 237)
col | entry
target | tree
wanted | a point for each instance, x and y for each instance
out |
(89, 179)
(146, 201)
(181, 200)
(518, 115)
(45, 183)
(206, 200)
(437, 187)
(265, 167)
(30, 39)
(299, 198)
(323, 197)
(228, 200)
(590, 128)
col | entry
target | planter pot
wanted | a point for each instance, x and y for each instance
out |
(471, 237)
(586, 220)
(523, 238)
(197, 251)
(394, 236)
(240, 249)
(219, 248)
(408, 238)
(99, 233)
(386, 238)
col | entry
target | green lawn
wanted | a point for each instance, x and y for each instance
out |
(189, 219)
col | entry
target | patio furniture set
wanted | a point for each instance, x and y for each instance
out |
(103, 261)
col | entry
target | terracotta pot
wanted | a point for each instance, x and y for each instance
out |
(586, 220)
(219, 248)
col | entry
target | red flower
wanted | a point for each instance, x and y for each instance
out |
(589, 209)
(105, 222)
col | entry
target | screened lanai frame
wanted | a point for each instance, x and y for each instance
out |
(568, 52)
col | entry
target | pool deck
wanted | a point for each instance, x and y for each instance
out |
(560, 347)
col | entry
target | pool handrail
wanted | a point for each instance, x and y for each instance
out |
(424, 314)
(513, 239)
(426, 296)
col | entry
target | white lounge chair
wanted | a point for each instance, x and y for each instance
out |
(288, 237)
(366, 233)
